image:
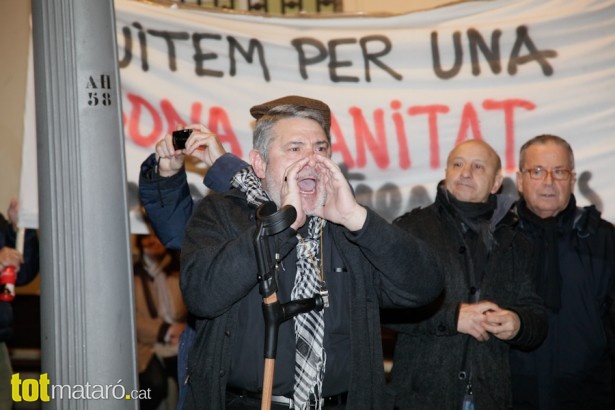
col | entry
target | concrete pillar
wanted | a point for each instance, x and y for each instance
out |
(87, 313)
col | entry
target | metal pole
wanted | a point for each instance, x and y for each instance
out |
(87, 314)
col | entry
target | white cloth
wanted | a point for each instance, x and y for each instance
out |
(156, 270)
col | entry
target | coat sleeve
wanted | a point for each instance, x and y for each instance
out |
(407, 273)
(218, 259)
(438, 318)
(167, 202)
(528, 305)
(219, 176)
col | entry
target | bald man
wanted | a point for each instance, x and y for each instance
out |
(454, 352)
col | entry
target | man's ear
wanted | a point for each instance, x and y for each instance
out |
(573, 181)
(519, 182)
(498, 183)
(258, 163)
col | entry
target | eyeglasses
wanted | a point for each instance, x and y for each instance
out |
(541, 173)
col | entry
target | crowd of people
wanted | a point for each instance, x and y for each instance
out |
(497, 303)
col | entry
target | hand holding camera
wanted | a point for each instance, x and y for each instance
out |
(194, 140)
(180, 137)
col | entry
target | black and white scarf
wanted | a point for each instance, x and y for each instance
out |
(310, 355)
(247, 182)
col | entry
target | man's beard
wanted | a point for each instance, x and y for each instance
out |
(274, 187)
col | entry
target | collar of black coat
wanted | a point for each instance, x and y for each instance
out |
(496, 210)
(562, 222)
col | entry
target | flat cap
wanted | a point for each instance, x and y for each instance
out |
(261, 109)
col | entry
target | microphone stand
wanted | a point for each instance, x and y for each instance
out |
(270, 221)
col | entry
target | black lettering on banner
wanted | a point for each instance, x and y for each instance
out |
(374, 56)
(169, 38)
(127, 35)
(435, 53)
(374, 48)
(143, 46)
(125, 61)
(253, 49)
(304, 45)
(540, 57)
(304, 60)
(200, 56)
(492, 53)
(334, 63)
(248, 55)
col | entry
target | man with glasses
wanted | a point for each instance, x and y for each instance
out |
(571, 368)
(454, 352)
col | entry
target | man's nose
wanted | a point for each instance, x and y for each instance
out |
(549, 178)
(466, 171)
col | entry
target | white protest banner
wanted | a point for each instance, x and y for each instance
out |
(403, 89)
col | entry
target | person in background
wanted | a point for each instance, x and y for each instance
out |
(26, 266)
(165, 197)
(453, 353)
(331, 357)
(163, 184)
(160, 317)
(571, 368)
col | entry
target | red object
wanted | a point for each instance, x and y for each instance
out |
(7, 283)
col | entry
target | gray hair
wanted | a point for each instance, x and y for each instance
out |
(263, 134)
(545, 139)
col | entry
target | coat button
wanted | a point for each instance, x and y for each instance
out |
(222, 373)
(227, 332)
(462, 249)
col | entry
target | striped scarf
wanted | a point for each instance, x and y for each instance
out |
(310, 355)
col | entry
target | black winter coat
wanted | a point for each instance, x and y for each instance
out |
(386, 266)
(430, 354)
(571, 368)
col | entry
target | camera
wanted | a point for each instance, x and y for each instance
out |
(180, 137)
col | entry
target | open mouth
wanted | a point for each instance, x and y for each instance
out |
(307, 185)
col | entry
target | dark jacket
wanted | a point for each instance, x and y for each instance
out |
(168, 204)
(167, 200)
(27, 271)
(430, 353)
(571, 368)
(219, 267)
